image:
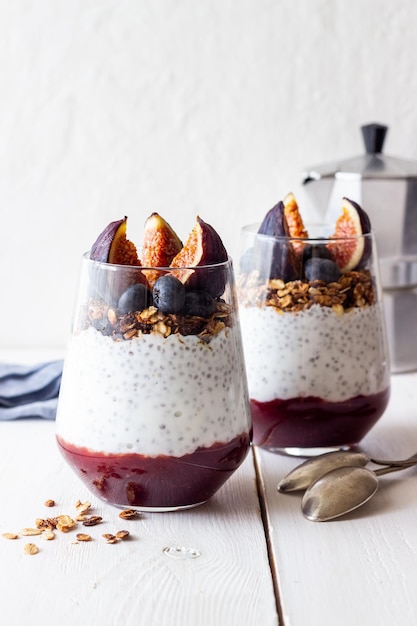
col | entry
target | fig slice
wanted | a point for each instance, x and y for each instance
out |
(160, 245)
(280, 254)
(112, 245)
(202, 247)
(352, 223)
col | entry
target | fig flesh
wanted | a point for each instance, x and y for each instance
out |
(203, 247)
(355, 250)
(160, 245)
(294, 221)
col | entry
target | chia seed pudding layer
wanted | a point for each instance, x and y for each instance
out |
(152, 395)
(315, 352)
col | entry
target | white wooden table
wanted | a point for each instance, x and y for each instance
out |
(254, 560)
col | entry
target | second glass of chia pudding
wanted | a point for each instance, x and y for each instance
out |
(314, 335)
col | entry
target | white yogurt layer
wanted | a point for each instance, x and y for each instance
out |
(152, 395)
(314, 353)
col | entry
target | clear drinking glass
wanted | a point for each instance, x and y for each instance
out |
(153, 411)
(316, 350)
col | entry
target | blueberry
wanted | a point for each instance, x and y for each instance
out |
(321, 269)
(316, 250)
(199, 303)
(256, 258)
(134, 298)
(103, 325)
(169, 294)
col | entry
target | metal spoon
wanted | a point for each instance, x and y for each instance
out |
(342, 490)
(303, 475)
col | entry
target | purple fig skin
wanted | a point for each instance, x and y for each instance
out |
(364, 220)
(283, 261)
(365, 225)
(213, 247)
(274, 223)
(101, 247)
(213, 251)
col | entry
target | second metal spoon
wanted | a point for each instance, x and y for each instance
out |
(343, 490)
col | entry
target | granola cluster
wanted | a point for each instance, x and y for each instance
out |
(109, 322)
(353, 289)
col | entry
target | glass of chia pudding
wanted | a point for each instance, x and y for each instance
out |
(314, 338)
(153, 412)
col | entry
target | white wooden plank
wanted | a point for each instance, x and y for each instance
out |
(360, 568)
(132, 583)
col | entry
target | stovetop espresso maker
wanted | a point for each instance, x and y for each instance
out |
(386, 187)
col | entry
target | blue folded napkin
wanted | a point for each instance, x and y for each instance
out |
(29, 390)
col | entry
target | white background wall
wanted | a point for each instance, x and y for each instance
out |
(114, 107)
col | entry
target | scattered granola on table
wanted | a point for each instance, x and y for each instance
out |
(45, 528)
(31, 548)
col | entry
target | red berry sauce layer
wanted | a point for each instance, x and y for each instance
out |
(136, 480)
(314, 423)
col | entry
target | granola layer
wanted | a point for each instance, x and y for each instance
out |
(354, 289)
(122, 327)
